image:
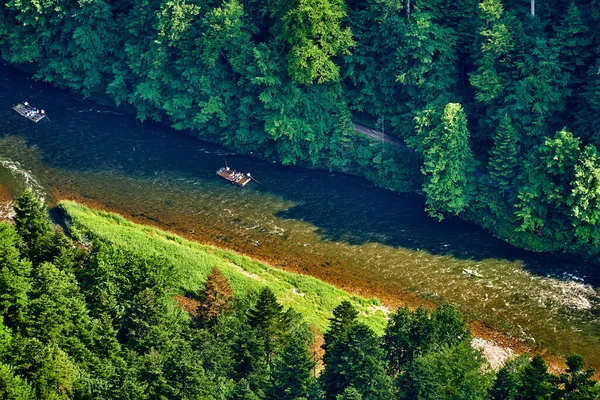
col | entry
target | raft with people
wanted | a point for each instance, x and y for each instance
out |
(29, 112)
(233, 176)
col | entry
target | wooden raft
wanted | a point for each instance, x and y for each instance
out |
(27, 112)
(234, 176)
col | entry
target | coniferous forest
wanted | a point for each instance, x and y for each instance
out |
(497, 100)
(92, 321)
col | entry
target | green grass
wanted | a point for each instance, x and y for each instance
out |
(193, 262)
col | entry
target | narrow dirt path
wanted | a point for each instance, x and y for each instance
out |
(376, 135)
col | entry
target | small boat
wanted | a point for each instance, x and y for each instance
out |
(472, 272)
(32, 114)
(234, 176)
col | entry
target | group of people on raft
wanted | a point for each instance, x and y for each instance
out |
(236, 176)
(33, 111)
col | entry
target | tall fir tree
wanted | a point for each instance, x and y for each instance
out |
(508, 379)
(291, 372)
(450, 372)
(350, 393)
(504, 156)
(15, 280)
(344, 316)
(537, 382)
(33, 224)
(12, 386)
(577, 381)
(575, 44)
(398, 341)
(265, 318)
(448, 164)
(357, 359)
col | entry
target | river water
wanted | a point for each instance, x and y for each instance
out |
(336, 227)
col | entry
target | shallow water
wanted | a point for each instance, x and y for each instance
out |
(336, 227)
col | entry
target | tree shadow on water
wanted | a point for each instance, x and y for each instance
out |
(350, 210)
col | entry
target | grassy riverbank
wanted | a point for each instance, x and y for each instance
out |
(314, 299)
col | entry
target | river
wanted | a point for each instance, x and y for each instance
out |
(336, 227)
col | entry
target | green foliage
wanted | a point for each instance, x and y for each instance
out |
(33, 225)
(427, 61)
(349, 394)
(585, 193)
(536, 381)
(561, 180)
(574, 41)
(448, 164)
(58, 309)
(504, 156)
(344, 317)
(451, 372)
(357, 359)
(412, 334)
(508, 380)
(243, 392)
(312, 29)
(15, 282)
(577, 381)
(291, 372)
(266, 318)
(13, 387)
(52, 372)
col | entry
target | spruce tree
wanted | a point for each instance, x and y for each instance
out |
(508, 379)
(357, 359)
(265, 318)
(58, 310)
(52, 372)
(15, 280)
(545, 184)
(448, 164)
(151, 319)
(450, 372)
(537, 382)
(584, 199)
(426, 67)
(495, 43)
(33, 225)
(574, 41)
(349, 394)
(504, 156)
(577, 381)
(398, 340)
(344, 316)
(291, 371)
(448, 326)
(12, 386)
(242, 391)
(249, 358)
(409, 335)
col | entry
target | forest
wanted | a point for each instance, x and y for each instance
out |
(496, 100)
(92, 321)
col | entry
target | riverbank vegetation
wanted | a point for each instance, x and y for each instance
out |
(149, 315)
(498, 99)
